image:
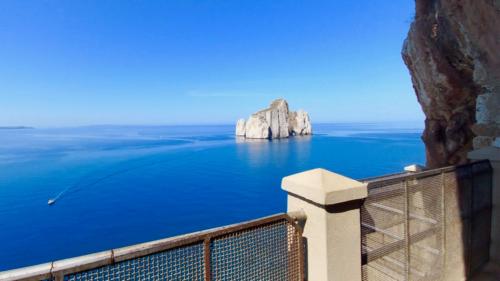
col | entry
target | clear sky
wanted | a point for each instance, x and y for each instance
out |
(67, 63)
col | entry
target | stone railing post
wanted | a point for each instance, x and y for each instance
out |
(493, 154)
(332, 231)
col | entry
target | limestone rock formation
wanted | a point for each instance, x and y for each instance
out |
(240, 127)
(452, 52)
(299, 123)
(275, 122)
(257, 127)
(277, 118)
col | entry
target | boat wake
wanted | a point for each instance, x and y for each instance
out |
(79, 185)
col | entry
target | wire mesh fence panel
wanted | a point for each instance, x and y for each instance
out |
(268, 252)
(468, 218)
(433, 225)
(184, 263)
(458, 195)
(425, 227)
(383, 232)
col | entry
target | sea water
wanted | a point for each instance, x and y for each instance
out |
(120, 185)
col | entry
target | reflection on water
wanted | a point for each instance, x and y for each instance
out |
(128, 185)
(278, 152)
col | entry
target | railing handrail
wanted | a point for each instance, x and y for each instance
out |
(63, 267)
(398, 177)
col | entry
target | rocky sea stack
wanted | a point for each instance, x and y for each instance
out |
(275, 122)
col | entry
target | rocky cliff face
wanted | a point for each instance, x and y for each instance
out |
(453, 54)
(275, 122)
(299, 123)
(257, 127)
(276, 117)
(240, 127)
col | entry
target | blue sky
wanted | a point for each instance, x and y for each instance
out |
(67, 63)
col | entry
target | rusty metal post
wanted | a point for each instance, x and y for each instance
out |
(471, 222)
(443, 223)
(301, 257)
(407, 229)
(206, 254)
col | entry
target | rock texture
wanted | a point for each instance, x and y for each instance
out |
(240, 127)
(299, 123)
(453, 54)
(276, 117)
(275, 122)
(257, 127)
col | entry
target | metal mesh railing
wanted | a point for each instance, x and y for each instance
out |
(265, 249)
(184, 263)
(427, 225)
(266, 254)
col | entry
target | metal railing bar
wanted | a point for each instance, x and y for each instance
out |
(424, 174)
(41, 271)
(425, 248)
(82, 263)
(375, 178)
(368, 249)
(397, 191)
(383, 271)
(397, 245)
(221, 231)
(376, 229)
(412, 216)
(401, 265)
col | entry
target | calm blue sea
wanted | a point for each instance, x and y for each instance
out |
(121, 185)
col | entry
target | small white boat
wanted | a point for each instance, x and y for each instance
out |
(51, 201)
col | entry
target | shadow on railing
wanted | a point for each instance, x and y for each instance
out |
(269, 248)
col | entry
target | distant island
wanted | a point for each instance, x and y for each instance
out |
(15, 127)
(275, 122)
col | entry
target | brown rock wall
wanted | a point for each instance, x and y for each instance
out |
(453, 54)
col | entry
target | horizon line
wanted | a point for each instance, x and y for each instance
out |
(195, 124)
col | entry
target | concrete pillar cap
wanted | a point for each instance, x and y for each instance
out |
(324, 187)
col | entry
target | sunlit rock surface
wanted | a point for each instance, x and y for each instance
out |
(453, 54)
(257, 127)
(240, 127)
(275, 122)
(299, 123)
